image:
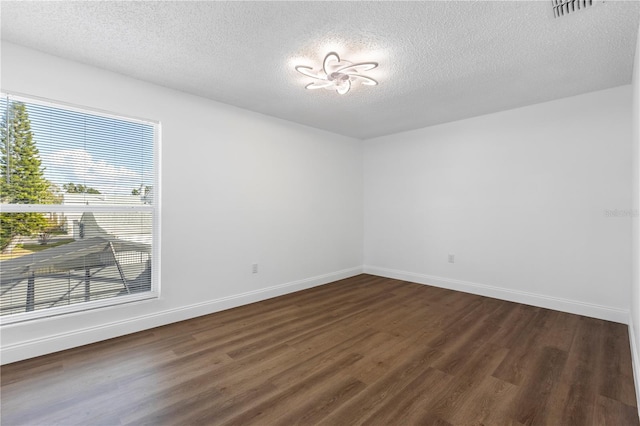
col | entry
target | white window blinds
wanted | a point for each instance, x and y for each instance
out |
(78, 209)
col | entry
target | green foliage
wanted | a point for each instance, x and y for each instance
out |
(54, 225)
(139, 191)
(6, 232)
(22, 173)
(72, 188)
(55, 195)
(40, 247)
(22, 178)
(14, 224)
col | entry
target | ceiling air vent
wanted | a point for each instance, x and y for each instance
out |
(566, 7)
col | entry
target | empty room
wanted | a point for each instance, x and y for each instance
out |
(336, 213)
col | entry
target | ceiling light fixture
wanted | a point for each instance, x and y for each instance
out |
(338, 74)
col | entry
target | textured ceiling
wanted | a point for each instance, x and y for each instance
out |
(439, 61)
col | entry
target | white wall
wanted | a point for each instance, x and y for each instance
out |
(237, 188)
(518, 196)
(634, 323)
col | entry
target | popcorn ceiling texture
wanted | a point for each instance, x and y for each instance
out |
(439, 61)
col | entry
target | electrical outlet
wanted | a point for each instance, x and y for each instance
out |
(452, 258)
(254, 268)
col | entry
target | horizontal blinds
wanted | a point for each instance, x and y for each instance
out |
(83, 153)
(102, 255)
(94, 241)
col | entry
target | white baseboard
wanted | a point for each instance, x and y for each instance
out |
(58, 342)
(635, 362)
(539, 300)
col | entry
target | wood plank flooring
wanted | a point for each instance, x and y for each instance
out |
(366, 350)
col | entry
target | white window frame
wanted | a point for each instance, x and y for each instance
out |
(154, 209)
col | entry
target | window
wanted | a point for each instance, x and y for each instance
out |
(78, 209)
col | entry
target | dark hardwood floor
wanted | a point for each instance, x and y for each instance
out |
(365, 350)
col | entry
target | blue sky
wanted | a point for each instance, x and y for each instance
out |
(111, 155)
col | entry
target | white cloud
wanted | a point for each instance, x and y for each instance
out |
(79, 166)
